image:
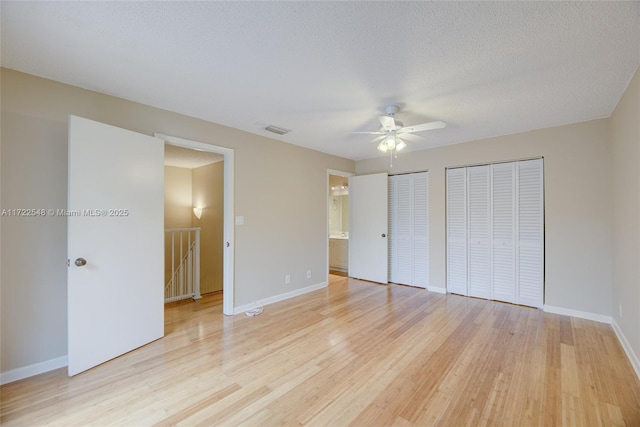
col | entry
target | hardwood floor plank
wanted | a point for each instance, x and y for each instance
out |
(355, 353)
(196, 407)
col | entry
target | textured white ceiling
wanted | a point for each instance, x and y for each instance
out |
(186, 158)
(324, 69)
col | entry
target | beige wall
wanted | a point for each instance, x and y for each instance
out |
(33, 285)
(337, 180)
(577, 174)
(178, 206)
(279, 188)
(208, 192)
(625, 140)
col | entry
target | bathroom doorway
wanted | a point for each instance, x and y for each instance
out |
(338, 223)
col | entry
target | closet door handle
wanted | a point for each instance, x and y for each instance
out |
(384, 235)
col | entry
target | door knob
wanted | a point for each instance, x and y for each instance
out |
(228, 244)
(384, 235)
(80, 262)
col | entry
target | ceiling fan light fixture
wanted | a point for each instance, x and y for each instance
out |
(391, 133)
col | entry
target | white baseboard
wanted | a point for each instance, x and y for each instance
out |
(437, 289)
(577, 313)
(281, 297)
(633, 358)
(31, 370)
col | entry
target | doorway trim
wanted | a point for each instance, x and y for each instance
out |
(326, 200)
(228, 282)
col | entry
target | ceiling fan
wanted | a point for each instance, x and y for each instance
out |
(393, 132)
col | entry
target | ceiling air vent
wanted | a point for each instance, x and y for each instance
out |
(276, 129)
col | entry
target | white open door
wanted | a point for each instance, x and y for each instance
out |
(115, 225)
(368, 211)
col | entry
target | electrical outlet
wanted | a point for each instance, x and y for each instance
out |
(620, 305)
(287, 279)
(308, 274)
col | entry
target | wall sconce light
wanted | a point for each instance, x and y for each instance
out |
(197, 212)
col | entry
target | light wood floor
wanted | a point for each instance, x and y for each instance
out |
(355, 353)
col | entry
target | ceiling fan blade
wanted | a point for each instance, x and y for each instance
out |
(378, 139)
(387, 122)
(371, 133)
(425, 126)
(411, 137)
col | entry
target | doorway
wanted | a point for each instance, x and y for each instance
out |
(193, 220)
(338, 223)
(227, 212)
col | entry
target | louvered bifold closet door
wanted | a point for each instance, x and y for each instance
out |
(503, 208)
(478, 225)
(457, 231)
(530, 232)
(400, 229)
(409, 229)
(420, 229)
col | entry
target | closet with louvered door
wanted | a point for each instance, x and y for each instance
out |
(495, 232)
(409, 229)
(400, 229)
(420, 229)
(457, 231)
(503, 230)
(530, 233)
(479, 283)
